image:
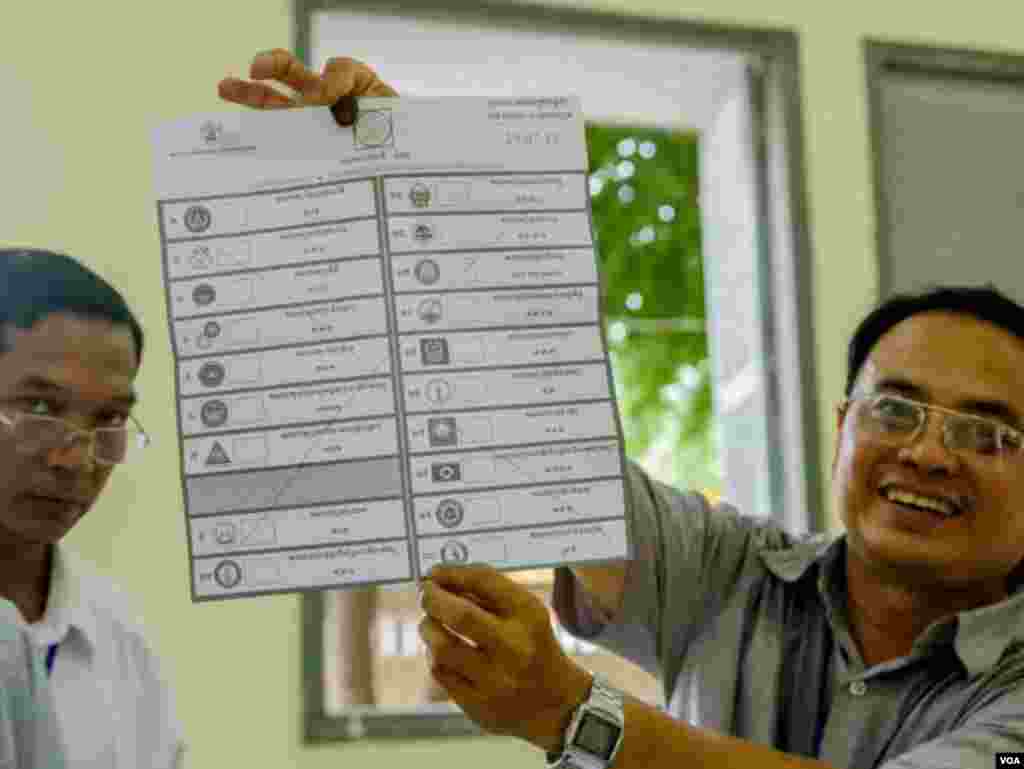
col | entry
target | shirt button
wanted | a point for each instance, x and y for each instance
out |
(858, 688)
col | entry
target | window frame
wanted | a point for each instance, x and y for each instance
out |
(887, 58)
(785, 270)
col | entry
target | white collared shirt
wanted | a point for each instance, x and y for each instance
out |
(29, 733)
(114, 707)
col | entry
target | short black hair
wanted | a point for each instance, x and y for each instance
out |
(36, 283)
(982, 302)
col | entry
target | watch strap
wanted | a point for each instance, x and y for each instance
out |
(609, 701)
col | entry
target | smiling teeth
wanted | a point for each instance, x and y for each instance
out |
(929, 503)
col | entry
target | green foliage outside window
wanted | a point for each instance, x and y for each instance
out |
(643, 186)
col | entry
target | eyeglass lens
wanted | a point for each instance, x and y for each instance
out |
(37, 433)
(960, 431)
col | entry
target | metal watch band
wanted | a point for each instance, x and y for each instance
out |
(605, 700)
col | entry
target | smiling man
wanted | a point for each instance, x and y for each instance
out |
(69, 352)
(928, 467)
(899, 644)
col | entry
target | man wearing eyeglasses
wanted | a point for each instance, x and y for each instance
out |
(70, 349)
(897, 645)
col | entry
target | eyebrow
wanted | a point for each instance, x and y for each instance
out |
(981, 406)
(36, 382)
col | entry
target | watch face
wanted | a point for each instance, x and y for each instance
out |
(597, 736)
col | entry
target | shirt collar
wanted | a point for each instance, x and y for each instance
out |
(981, 635)
(791, 563)
(67, 605)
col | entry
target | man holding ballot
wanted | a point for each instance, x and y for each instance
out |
(898, 644)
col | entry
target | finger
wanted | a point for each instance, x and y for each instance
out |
(344, 110)
(445, 650)
(343, 76)
(282, 66)
(459, 689)
(462, 616)
(500, 594)
(255, 95)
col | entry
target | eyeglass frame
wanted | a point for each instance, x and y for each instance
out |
(74, 431)
(1003, 429)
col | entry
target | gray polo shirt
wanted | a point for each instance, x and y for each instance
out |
(746, 628)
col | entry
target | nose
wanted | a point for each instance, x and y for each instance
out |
(928, 452)
(74, 455)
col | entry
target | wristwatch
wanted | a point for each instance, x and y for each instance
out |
(595, 733)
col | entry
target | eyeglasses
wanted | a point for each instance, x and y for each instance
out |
(902, 420)
(35, 433)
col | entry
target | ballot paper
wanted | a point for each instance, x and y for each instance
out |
(387, 342)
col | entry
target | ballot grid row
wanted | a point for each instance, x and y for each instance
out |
(287, 336)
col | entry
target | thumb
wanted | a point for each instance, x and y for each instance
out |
(345, 110)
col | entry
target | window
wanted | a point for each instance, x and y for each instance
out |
(644, 199)
(709, 355)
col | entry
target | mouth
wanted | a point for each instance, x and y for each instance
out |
(940, 505)
(70, 504)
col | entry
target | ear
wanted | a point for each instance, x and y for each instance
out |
(842, 410)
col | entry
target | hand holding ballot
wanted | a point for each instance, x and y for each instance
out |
(515, 679)
(341, 80)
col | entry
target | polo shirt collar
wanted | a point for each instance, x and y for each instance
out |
(981, 636)
(791, 563)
